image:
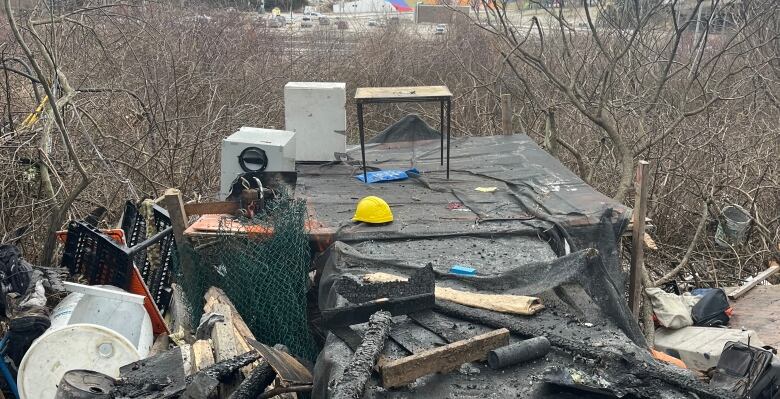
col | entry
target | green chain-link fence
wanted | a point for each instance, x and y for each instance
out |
(262, 265)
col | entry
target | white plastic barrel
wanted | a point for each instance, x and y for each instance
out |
(99, 328)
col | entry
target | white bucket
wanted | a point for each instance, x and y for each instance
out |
(99, 328)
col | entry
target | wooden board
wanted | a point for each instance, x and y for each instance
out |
(178, 316)
(173, 203)
(216, 296)
(223, 337)
(290, 370)
(225, 345)
(186, 359)
(209, 208)
(637, 239)
(401, 93)
(202, 355)
(759, 310)
(446, 358)
(213, 224)
(742, 290)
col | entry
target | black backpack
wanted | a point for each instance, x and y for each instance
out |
(710, 311)
(748, 372)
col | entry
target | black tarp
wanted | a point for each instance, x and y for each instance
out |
(408, 128)
(543, 232)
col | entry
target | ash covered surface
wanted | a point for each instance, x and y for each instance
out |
(542, 232)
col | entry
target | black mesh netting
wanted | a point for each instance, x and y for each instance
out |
(261, 263)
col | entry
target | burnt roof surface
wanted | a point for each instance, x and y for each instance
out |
(542, 232)
(529, 181)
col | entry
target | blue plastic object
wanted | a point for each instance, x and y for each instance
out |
(701, 291)
(379, 176)
(463, 270)
(9, 379)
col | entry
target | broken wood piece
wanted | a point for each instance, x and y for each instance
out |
(774, 267)
(222, 335)
(262, 376)
(405, 370)
(244, 347)
(215, 295)
(650, 243)
(637, 238)
(358, 313)
(202, 355)
(225, 369)
(513, 304)
(226, 344)
(178, 316)
(288, 368)
(186, 359)
(356, 374)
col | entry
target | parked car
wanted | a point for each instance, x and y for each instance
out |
(440, 29)
(324, 20)
(372, 22)
(306, 22)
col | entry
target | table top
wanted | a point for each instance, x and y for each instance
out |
(402, 94)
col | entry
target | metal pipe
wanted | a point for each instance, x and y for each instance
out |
(449, 122)
(149, 241)
(522, 351)
(362, 140)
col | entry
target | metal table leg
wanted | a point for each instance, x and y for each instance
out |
(441, 128)
(362, 140)
(449, 104)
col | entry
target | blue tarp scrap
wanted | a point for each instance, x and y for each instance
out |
(387, 175)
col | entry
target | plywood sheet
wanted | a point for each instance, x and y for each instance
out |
(759, 310)
(404, 93)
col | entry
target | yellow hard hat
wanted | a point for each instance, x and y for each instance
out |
(372, 209)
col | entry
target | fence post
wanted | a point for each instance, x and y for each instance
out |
(506, 113)
(637, 238)
(173, 203)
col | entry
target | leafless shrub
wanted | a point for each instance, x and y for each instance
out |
(155, 89)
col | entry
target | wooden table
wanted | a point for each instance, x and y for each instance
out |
(408, 94)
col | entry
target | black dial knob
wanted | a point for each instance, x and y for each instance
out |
(253, 159)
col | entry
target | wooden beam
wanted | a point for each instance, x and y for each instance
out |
(211, 208)
(216, 296)
(774, 267)
(178, 316)
(223, 337)
(226, 346)
(174, 204)
(637, 238)
(506, 113)
(446, 358)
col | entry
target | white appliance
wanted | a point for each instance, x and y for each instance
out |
(253, 149)
(316, 112)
